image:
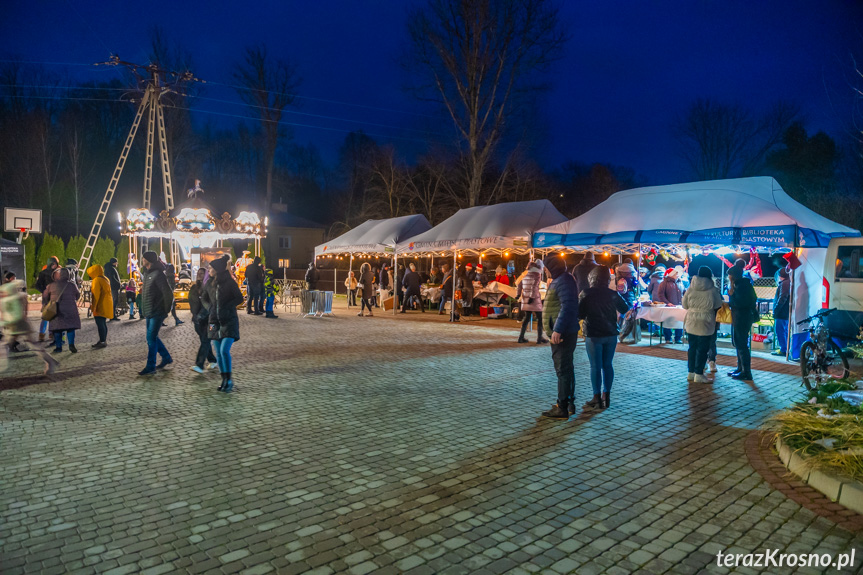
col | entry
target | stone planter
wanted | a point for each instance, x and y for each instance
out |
(847, 492)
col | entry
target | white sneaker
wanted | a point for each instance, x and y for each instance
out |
(691, 377)
(711, 366)
(700, 379)
(197, 369)
(214, 366)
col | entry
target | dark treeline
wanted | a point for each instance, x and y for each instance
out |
(62, 137)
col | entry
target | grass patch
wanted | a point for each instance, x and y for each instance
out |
(801, 428)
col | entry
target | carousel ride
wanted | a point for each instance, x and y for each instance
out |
(193, 234)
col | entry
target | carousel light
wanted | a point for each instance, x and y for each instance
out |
(138, 220)
(195, 219)
(120, 217)
(248, 222)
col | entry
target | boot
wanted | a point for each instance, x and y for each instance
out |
(570, 407)
(229, 383)
(606, 399)
(595, 402)
(224, 380)
(540, 339)
(271, 315)
(556, 412)
(521, 338)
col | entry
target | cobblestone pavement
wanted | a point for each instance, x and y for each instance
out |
(373, 445)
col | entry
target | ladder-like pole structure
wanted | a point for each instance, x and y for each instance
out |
(112, 186)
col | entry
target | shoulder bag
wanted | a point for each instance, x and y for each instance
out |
(213, 327)
(50, 310)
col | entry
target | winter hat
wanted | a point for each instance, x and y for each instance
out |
(783, 273)
(469, 265)
(151, 257)
(71, 262)
(479, 267)
(112, 261)
(599, 276)
(257, 259)
(704, 272)
(589, 257)
(219, 264)
(668, 272)
(555, 265)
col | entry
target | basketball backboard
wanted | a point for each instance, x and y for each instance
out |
(22, 219)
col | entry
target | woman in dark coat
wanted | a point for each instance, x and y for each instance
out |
(223, 297)
(170, 273)
(743, 303)
(200, 319)
(367, 278)
(65, 293)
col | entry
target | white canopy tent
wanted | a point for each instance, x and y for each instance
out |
(738, 212)
(499, 227)
(375, 236)
(484, 229)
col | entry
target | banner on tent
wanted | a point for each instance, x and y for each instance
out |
(766, 236)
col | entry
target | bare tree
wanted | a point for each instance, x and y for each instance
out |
(389, 183)
(480, 59)
(721, 141)
(267, 85)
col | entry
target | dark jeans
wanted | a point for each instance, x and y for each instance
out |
(102, 328)
(699, 345)
(561, 355)
(678, 335)
(154, 344)
(711, 349)
(254, 292)
(600, 352)
(740, 335)
(352, 298)
(205, 349)
(526, 322)
(781, 329)
(366, 303)
(409, 297)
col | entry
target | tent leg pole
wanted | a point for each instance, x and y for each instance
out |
(395, 281)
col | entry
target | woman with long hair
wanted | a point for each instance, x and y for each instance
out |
(531, 301)
(223, 295)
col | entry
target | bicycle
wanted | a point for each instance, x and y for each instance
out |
(821, 360)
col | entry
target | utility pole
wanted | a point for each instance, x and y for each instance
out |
(157, 82)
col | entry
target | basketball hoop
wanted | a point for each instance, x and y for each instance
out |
(23, 234)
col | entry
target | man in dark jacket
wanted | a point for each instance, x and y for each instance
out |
(560, 322)
(742, 301)
(384, 277)
(581, 271)
(118, 293)
(781, 302)
(254, 287)
(411, 284)
(156, 301)
(311, 277)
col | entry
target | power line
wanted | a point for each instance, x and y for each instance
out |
(301, 125)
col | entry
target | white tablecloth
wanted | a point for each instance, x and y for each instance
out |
(431, 293)
(669, 317)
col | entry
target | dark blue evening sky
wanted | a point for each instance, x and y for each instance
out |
(629, 69)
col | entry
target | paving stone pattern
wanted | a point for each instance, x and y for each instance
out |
(374, 445)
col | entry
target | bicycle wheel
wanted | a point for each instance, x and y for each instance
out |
(809, 366)
(836, 364)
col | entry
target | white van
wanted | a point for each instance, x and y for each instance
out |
(843, 286)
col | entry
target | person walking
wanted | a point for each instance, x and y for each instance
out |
(156, 302)
(224, 328)
(781, 304)
(351, 285)
(117, 292)
(201, 321)
(560, 322)
(15, 326)
(254, 287)
(46, 276)
(102, 304)
(412, 286)
(171, 275)
(465, 285)
(367, 286)
(701, 301)
(671, 295)
(531, 301)
(742, 301)
(271, 290)
(64, 292)
(598, 306)
(446, 287)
